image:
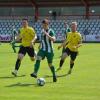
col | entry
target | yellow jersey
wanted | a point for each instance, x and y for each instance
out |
(73, 39)
(27, 34)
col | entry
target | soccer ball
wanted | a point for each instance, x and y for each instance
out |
(41, 81)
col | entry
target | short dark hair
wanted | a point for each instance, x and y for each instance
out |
(45, 21)
(25, 19)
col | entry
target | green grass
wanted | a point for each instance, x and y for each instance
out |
(82, 84)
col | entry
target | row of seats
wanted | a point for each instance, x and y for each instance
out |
(91, 26)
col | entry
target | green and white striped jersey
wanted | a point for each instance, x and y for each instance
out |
(46, 43)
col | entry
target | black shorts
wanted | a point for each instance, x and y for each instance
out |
(71, 53)
(23, 50)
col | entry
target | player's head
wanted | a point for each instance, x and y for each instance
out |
(45, 23)
(74, 26)
(25, 22)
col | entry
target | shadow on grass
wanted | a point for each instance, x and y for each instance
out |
(8, 77)
(63, 75)
(20, 85)
(25, 84)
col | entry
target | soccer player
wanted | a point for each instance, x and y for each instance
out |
(67, 29)
(28, 37)
(46, 49)
(13, 44)
(73, 41)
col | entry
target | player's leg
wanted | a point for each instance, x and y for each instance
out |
(52, 68)
(63, 57)
(40, 56)
(73, 57)
(21, 54)
(31, 53)
(63, 49)
(13, 46)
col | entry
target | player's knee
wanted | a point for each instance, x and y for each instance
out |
(20, 56)
(38, 58)
(63, 57)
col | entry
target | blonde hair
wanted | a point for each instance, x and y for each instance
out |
(74, 22)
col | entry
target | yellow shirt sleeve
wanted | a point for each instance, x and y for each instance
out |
(32, 32)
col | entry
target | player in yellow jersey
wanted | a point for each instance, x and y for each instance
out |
(73, 41)
(28, 37)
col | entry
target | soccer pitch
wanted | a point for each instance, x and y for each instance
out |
(82, 84)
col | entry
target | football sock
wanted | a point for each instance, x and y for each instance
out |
(53, 70)
(61, 63)
(71, 65)
(18, 62)
(37, 65)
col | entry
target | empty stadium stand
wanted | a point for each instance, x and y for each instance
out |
(91, 26)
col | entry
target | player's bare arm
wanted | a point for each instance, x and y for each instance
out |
(52, 38)
(33, 41)
(62, 45)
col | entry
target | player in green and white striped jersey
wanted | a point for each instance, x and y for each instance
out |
(46, 49)
(46, 43)
(67, 29)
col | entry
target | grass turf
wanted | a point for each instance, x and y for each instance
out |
(82, 84)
